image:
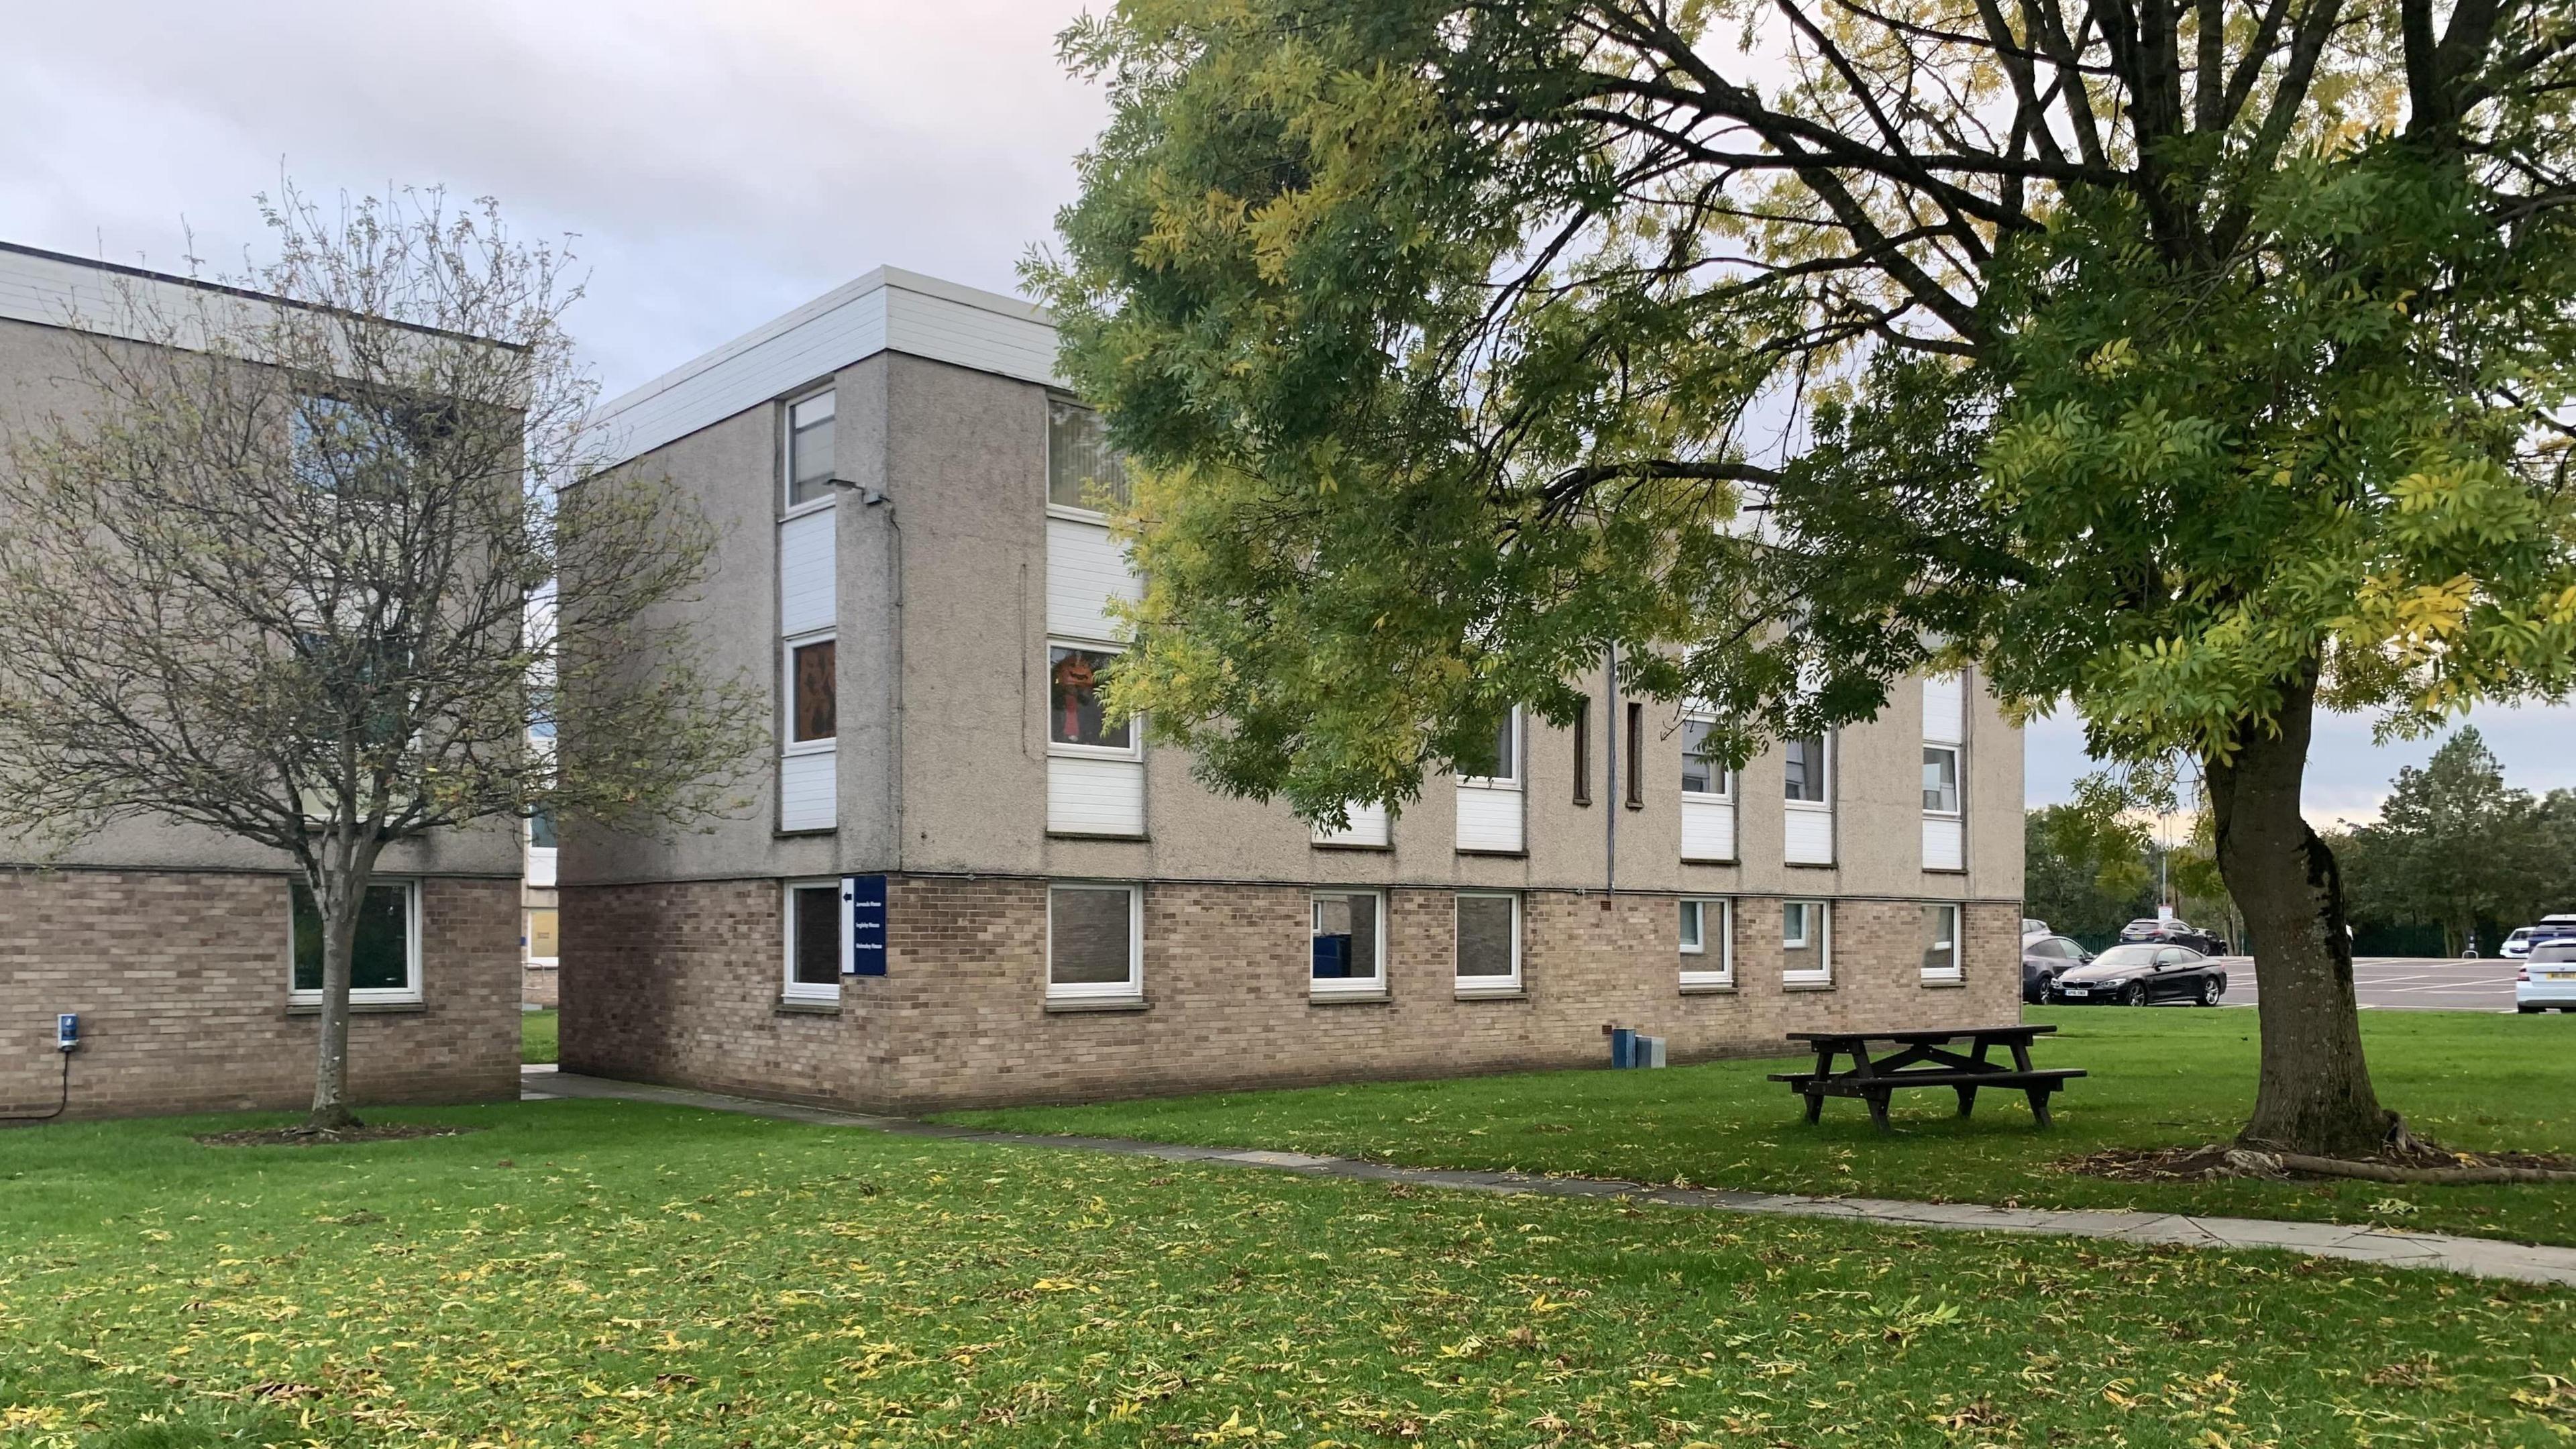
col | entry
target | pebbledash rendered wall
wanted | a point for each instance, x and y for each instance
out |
(677, 983)
(180, 979)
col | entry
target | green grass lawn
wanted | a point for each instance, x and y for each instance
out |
(537, 1036)
(598, 1273)
(2159, 1077)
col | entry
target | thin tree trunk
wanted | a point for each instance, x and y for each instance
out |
(2315, 1095)
(339, 894)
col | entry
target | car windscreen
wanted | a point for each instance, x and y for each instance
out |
(2128, 956)
(2554, 951)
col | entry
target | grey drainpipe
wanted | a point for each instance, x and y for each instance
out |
(1610, 729)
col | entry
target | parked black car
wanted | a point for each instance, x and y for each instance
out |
(2174, 933)
(2043, 957)
(2135, 973)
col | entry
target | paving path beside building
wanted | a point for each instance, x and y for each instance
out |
(2479, 1257)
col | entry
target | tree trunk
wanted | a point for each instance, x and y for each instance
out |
(2315, 1096)
(339, 892)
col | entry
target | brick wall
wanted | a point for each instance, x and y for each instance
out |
(180, 982)
(680, 983)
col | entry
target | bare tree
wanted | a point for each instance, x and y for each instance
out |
(292, 578)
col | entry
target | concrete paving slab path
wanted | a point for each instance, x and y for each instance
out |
(2476, 1257)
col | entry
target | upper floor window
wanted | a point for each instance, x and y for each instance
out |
(809, 450)
(1083, 471)
(1941, 779)
(1806, 770)
(1076, 713)
(813, 707)
(1703, 773)
(1501, 762)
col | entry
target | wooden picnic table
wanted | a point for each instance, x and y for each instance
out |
(1923, 1057)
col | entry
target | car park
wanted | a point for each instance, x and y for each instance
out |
(2518, 943)
(2547, 980)
(2139, 973)
(2173, 933)
(2044, 957)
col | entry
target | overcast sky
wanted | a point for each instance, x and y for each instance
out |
(716, 162)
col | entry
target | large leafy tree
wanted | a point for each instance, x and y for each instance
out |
(2454, 845)
(2196, 364)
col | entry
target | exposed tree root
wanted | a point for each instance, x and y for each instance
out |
(2402, 1158)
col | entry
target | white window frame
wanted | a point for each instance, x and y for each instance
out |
(788, 507)
(528, 935)
(788, 744)
(1724, 794)
(1700, 965)
(789, 988)
(1131, 989)
(1134, 749)
(1373, 985)
(1826, 752)
(1817, 930)
(1518, 754)
(1046, 462)
(1486, 985)
(1958, 779)
(1958, 922)
(407, 995)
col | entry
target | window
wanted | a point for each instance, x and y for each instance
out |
(1349, 943)
(1806, 942)
(1941, 779)
(541, 829)
(544, 937)
(1501, 764)
(1075, 716)
(1702, 772)
(813, 706)
(384, 960)
(1083, 471)
(1940, 943)
(1583, 753)
(1636, 757)
(1806, 771)
(813, 941)
(1708, 942)
(1095, 942)
(809, 450)
(1489, 941)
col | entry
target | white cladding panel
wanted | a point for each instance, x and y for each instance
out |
(1085, 569)
(541, 869)
(1809, 838)
(1708, 830)
(808, 575)
(808, 791)
(1095, 797)
(1944, 844)
(1945, 709)
(1489, 818)
(1368, 827)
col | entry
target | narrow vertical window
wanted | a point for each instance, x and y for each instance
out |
(813, 941)
(1583, 753)
(1083, 471)
(813, 713)
(1941, 779)
(1077, 713)
(1806, 770)
(1940, 943)
(1708, 941)
(1349, 950)
(809, 450)
(1636, 756)
(1488, 942)
(1806, 943)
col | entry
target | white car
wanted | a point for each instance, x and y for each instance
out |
(2548, 980)
(2517, 943)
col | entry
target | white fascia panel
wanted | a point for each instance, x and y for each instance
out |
(808, 791)
(1095, 797)
(1708, 830)
(1085, 570)
(1809, 837)
(1944, 843)
(1945, 709)
(888, 309)
(1368, 826)
(808, 574)
(1489, 818)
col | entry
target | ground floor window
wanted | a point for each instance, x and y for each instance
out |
(1708, 941)
(1095, 941)
(1489, 941)
(813, 941)
(384, 960)
(1349, 942)
(543, 937)
(1806, 942)
(1940, 943)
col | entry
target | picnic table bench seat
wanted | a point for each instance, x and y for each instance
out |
(1924, 1058)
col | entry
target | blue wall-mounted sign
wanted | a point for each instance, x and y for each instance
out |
(863, 925)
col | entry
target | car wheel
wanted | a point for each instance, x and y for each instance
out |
(2134, 994)
(2212, 988)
